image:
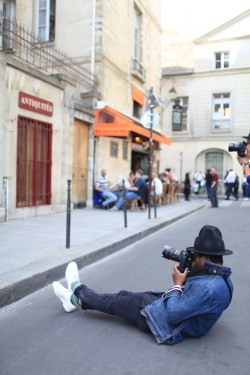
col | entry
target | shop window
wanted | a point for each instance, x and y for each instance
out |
(34, 145)
(114, 148)
(46, 20)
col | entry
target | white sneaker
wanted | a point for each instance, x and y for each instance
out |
(64, 295)
(71, 274)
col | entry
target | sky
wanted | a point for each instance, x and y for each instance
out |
(197, 17)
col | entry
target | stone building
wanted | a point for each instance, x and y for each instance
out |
(214, 94)
(74, 86)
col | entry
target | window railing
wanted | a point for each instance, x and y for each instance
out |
(25, 45)
(138, 70)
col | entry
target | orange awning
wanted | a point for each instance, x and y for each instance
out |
(137, 96)
(112, 123)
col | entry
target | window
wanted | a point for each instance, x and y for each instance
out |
(34, 145)
(125, 150)
(9, 10)
(221, 60)
(114, 149)
(137, 68)
(221, 111)
(46, 13)
(183, 102)
(137, 35)
(215, 158)
(137, 109)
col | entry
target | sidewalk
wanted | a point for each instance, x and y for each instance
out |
(33, 252)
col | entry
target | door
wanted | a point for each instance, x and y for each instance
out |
(80, 164)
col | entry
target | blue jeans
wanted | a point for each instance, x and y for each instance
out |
(129, 195)
(126, 305)
(111, 198)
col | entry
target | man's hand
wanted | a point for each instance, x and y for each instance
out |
(242, 160)
(178, 277)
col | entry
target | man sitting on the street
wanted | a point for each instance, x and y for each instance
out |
(102, 187)
(190, 308)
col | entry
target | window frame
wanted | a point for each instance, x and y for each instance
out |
(184, 114)
(221, 117)
(116, 145)
(48, 15)
(137, 35)
(223, 61)
(34, 162)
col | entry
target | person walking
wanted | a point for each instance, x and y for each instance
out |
(230, 181)
(187, 187)
(214, 186)
(208, 179)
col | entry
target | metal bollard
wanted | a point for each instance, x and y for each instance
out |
(68, 219)
(124, 203)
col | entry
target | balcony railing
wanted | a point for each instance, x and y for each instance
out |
(45, 56)
(138, 70)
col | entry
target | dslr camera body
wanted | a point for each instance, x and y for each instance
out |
(239, 147)
(184, 257)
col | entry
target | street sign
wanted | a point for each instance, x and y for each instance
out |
(146, 118)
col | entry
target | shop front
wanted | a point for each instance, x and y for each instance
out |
(114, 124)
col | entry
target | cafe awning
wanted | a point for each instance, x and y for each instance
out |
(111, 123)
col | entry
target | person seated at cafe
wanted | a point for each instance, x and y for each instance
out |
(138, 189)
(156, 184)
(102, 187)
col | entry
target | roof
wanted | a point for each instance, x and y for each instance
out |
(204, 38)
(176, 70)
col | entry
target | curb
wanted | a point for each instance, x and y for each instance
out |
(13, 292)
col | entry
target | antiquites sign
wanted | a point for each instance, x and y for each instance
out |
(35, 104)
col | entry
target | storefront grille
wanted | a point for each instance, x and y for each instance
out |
(34, 145)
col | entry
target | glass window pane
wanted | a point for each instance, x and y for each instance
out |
(42, 4)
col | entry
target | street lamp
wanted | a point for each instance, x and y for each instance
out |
(172, 94)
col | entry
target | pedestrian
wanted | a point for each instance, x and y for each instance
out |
(214, 187)
(197, 180)
(208, 180)
(229, 182)
(187, 187)
(190, 308)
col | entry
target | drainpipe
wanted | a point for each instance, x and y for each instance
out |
(92, 70)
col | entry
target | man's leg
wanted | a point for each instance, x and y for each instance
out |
(124, 304)
(111, 198)
(129, 195)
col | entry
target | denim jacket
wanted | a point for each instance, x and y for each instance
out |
(192, 310)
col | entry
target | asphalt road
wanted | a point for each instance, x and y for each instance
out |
(38, 337)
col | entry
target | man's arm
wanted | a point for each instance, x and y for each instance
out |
(245, 163)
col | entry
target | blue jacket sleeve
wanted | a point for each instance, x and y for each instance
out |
(248, 180)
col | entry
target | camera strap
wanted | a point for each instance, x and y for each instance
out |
(205, 270)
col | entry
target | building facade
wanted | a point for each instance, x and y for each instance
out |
(74, 86)
(214, 95)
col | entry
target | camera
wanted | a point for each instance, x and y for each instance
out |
(239, 147)
(184, 257)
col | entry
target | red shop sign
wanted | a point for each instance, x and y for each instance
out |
(35, 104)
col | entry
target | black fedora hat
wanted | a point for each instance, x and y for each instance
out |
(247, 136)
(209, 242)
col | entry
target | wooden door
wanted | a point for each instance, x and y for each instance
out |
(80, 164)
